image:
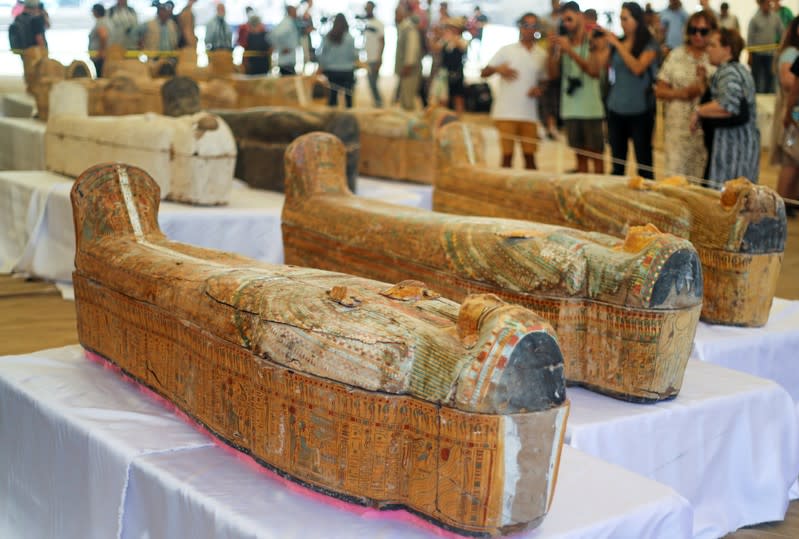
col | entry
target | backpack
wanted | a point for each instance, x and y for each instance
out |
(20, 36)
(478, 97)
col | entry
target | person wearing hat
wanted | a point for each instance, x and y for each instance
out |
(161, 33)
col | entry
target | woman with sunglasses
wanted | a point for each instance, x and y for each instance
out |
(631, 100)
(788, 52)
(729, 118)
(681, 82)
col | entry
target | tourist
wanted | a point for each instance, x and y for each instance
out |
(728, 20)
(374, 43)
(286, 39)
(522, 67)
(787, 54)
(98, 38)
(217, 32)
(257, 47)
(29, 27)
(681, 82)
(672, 20)
(549, 103)
(575, 59)
(729, 118)
(123, 23)
(631, 100)
(408, 61)
(451, 49)
(241, 31)
(337, 57)
(765, 28)
(160, 33)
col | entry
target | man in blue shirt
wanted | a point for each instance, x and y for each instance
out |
(673, 19)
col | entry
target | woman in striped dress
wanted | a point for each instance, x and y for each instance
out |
(730, 114)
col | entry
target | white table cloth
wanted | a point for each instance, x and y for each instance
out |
(18, 105)
(21, 144)
(729, 443)
(37, 236)
(85, 454)
(771, 351)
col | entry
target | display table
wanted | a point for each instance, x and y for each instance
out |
(84, 453)
(729, 443)
(21, 144)
(37, 236)
(768, 352)
(18, 105)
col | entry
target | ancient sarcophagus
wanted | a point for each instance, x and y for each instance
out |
(193, 156)
(263, 134)
(382, 395)
(400, 145)
(625, 311)
(738, 233)
(264, 91)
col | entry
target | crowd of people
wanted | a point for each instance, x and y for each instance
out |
(565, 69)
(605, 88)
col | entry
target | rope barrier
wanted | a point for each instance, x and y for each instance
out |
(593, 155)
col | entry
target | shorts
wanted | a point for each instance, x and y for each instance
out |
(585, 134)
(517, 128)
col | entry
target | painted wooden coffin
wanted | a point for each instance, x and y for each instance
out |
(389, 396)
(265, 91)
(193, 156)
(739, 233)
(625, 311)
(399, 145)
(263, 134)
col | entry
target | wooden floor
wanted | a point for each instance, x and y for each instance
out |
(34, 317)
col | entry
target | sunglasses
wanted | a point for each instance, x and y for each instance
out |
(701, 31)
(528, 26)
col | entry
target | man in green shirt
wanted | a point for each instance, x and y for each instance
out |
(575, 58)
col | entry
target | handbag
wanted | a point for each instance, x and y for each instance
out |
(790, 142)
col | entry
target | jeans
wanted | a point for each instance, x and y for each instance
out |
(639, 127)
(340, 80)
(762, 73)
(373, 76)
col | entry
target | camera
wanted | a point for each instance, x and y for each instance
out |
(562, 30)
(573, 84)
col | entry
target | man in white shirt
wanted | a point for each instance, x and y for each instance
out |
(523, 70)
(374, 43)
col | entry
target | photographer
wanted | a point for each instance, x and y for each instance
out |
(522, 68)
(575, 56)
(631, 101)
